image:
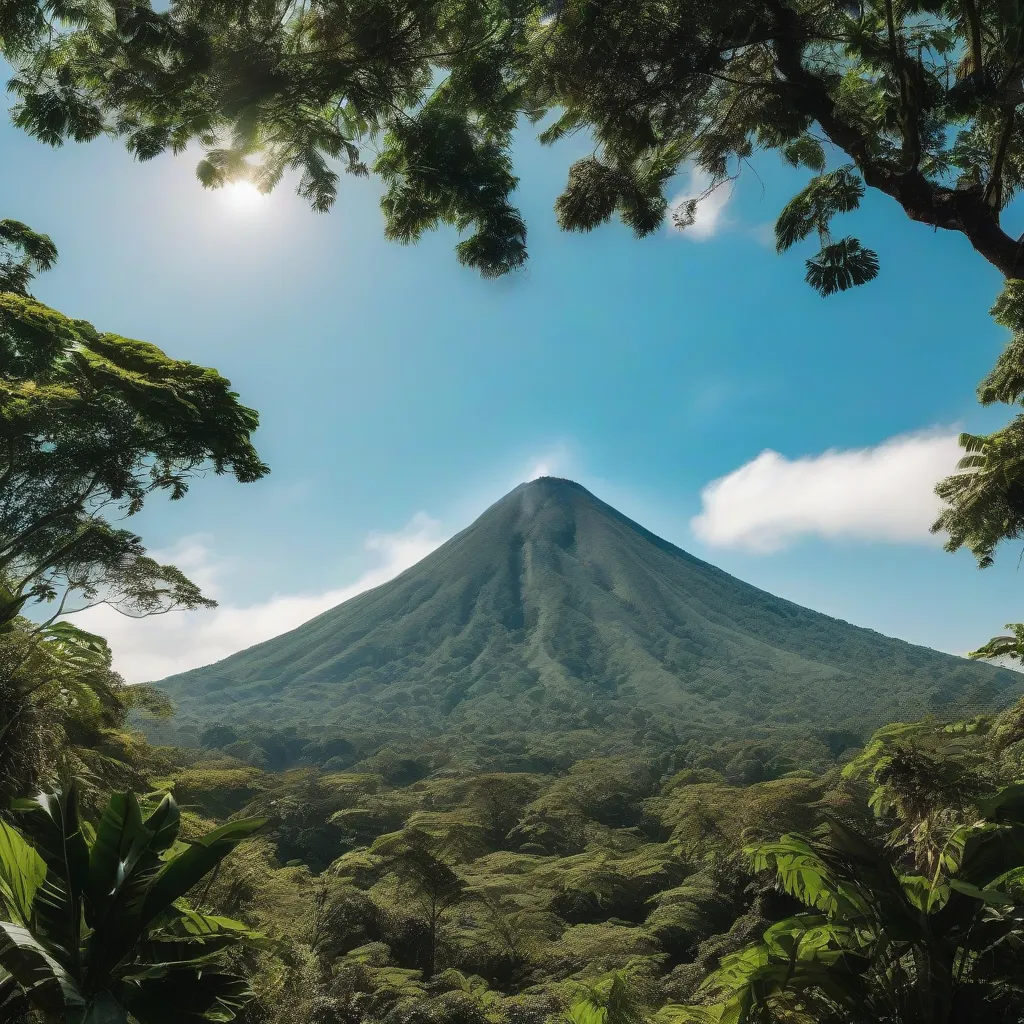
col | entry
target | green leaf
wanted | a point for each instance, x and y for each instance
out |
(186, 997)
(1005, 806)
(193, 923)
(187, 867)
(990, 853)
(800, 870)
(13, 1004)
(164, 823)
(804, 152)
(842, 265)
(121, 839)
(21, 873)
(127, 860)
(104, 1009)
(672, 1014)
(51, 823)
(194, 937)
(992, 897)
(812, 209)
(585, 1012)
(44, 982)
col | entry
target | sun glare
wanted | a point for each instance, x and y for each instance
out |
(243, 196)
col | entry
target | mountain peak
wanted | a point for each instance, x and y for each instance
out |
(553, 613)
(553, 482)
(552, 485)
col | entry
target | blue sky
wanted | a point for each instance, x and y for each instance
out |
(394, 384)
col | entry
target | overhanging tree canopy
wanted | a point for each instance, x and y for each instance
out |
(920, 96)
(91, 424)
(917, 99)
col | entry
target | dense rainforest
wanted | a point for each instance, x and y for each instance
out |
(769, 879)
(752, 862)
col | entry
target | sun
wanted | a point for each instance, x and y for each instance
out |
(242, 196)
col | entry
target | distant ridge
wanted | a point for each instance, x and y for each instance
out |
(553, 612)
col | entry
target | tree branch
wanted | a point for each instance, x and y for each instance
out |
(964, 210)
(10, 547)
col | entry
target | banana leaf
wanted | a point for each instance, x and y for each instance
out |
(186, 997)
(42, 980)
(183, 870)
(51, 823)
(21, 873)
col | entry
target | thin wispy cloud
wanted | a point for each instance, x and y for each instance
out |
(156, 647)
(152, 648)
(885, 493)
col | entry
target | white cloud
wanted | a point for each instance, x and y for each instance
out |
(162, 645)
(710, 215)
(885, 493)
(152, 648)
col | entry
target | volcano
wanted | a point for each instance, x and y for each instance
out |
(555, 613)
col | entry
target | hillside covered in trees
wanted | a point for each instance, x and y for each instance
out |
(553, 614)
(420, 889)
(560, 772)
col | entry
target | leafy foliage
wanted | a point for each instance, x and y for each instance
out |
(984, 505)
(425, 913)
(94, 925)
(92, 424)
(877, 944)
(920, 97)
(416, 886)
(65, 711)
(23, 254)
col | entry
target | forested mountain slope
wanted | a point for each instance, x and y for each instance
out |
(554, 613)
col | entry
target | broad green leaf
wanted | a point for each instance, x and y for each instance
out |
(186, 997)
(673, 1014)
(164, 823)
(193, 938)
(991, 852)
(13, 1004)
(196, 924)
(586, 1013)
(50, 822)
(1005, 806)
(127, 856)
(44, 982)
(185, 868)
(105, 855)
(104, 1009)
(21, 873)
(122, 840)
(993, 897)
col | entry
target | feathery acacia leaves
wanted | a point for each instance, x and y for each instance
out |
(985, 498)
(922, 106)
(23, 254)
(812, 209)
